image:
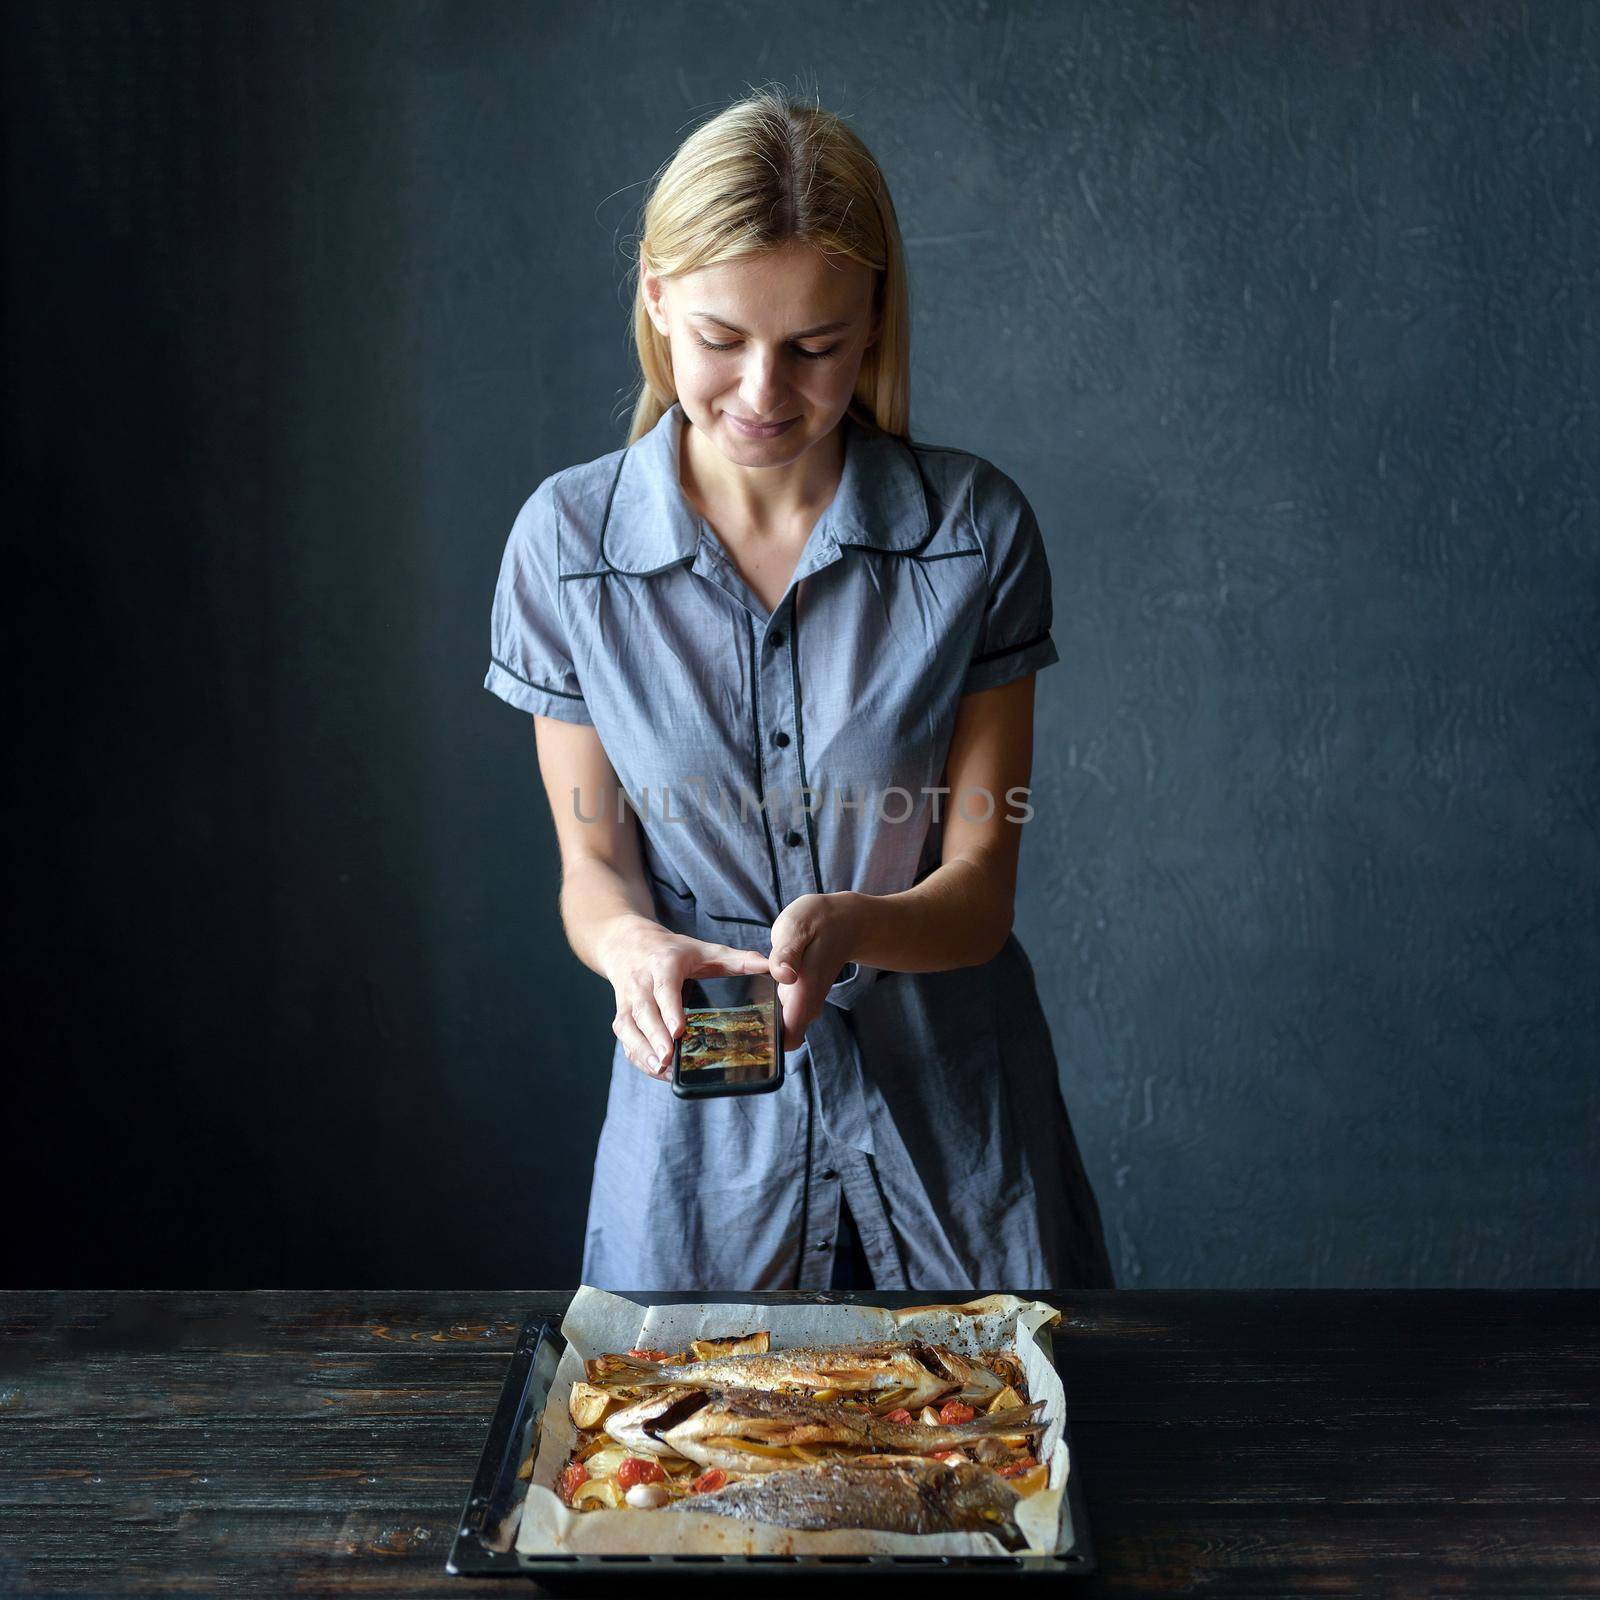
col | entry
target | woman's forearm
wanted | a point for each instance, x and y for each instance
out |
(597, 904)
(958, 916)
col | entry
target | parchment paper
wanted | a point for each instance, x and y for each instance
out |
(598, 1322)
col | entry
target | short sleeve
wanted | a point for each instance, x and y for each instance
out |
(530, 663)
(1014, 639)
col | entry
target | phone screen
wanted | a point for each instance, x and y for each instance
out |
(733, 1043)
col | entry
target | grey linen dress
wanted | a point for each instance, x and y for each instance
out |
(929, 1100)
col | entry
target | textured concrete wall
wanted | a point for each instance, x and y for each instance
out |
(1282, 315)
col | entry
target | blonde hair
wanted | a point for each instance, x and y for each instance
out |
(766, 170)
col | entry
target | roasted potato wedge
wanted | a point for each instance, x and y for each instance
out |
(587, 1405)
(1005, 1367)
(750, 1344)
(1009, 1397)
(603, 1491)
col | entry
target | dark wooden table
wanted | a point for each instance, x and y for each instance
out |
(1312, 1442)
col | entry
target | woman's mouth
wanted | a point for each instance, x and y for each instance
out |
(755, 430)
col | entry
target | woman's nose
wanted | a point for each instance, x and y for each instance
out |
(761, 389)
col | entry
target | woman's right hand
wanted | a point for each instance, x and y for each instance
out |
(647, 965)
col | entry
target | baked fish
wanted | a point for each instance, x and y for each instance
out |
(635, 1425)
(895, 1494)
(751, 1431)
(899, 1373)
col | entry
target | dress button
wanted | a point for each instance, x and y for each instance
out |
(830, 1173)
(822, 1244)
(780, 738)
(776, 638)
(791, 837)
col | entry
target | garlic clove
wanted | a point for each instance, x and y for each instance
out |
(648, 1496)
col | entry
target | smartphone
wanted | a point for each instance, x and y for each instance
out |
(733, 1043)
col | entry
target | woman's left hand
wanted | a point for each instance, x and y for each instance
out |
(811, 943)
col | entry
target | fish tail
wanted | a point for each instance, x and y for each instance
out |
(1014, 1419)
(635, 1370)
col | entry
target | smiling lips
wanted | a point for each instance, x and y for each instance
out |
(761, 430)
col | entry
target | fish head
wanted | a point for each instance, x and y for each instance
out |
(755, 1431)
(972, 1378)
(972, 1494)
(981, 1494)
(639, 1426)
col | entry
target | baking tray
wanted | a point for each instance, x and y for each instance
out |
(485, 1541)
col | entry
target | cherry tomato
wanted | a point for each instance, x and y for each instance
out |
(1021, 1464)
(711, 1478)
(953, 1411)
(648, 1355)
(899, 1414)
(573, 1477)
(635, 1469)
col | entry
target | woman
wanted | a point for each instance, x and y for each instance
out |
(782, 628)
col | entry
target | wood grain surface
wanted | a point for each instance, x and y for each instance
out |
(1275, 1443)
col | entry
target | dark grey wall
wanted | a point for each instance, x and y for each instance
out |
(1282, 315)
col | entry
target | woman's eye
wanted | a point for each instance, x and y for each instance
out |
(809, 355)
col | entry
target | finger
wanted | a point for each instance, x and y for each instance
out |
(669, 997)
(724, 958)
(796, 1018)
(633, 1043)
(648, 1017)
(785, 959)
(635, 1046)
(794, 1002)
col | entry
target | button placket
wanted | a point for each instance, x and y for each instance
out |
(781, 754)
(859, 1186)
(822, 1230)
(780, 743)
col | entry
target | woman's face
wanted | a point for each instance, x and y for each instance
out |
(790, 327)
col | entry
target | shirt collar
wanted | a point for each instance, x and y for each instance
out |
(650, 524)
